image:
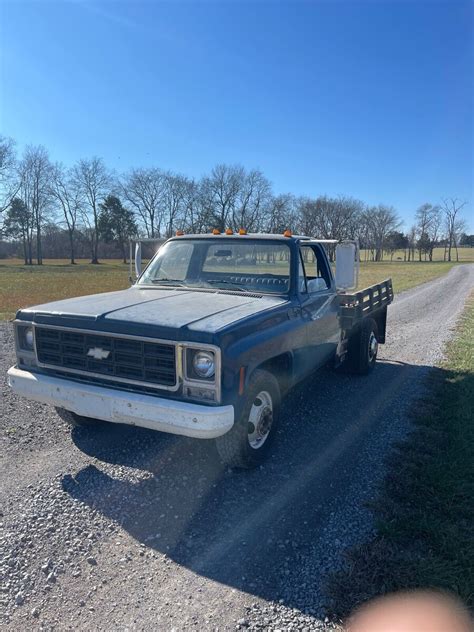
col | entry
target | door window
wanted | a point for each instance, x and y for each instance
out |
(315, 270)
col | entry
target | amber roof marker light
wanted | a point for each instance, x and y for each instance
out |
(287, 233)
(216, 231)
(229, 231)
(179, 233)
(242, 231)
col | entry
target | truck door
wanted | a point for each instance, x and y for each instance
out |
(319, 305)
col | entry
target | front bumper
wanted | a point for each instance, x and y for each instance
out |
(136, 409)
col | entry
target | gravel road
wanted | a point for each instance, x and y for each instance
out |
(123, 528)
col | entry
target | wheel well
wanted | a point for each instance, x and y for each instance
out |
(281, 367)
(380, 318)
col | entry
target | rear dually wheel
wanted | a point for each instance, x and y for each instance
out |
(363, 348)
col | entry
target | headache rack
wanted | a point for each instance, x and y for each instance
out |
(372, 301)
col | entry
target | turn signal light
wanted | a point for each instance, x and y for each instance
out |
(242, 231)
(216, 231)
(229, 231)
(287, 233)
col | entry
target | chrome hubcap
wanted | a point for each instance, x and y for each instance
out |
(373, 346)
(260, 420)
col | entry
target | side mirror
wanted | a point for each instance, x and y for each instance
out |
(347, 265)
(138, 258)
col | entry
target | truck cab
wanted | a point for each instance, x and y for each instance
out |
(207, 341)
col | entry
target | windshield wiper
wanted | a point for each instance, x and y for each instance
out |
(168, 281)
(236, 285)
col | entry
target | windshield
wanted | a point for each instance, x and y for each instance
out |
(243, 266)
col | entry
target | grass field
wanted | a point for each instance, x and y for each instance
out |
(21, 286)
(425, 512)
(465, 255)
(403, 275)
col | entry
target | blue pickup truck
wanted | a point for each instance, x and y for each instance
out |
(208, 340)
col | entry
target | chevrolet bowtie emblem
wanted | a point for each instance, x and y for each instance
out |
(98, 353)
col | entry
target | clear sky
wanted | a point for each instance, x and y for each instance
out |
(372, 99)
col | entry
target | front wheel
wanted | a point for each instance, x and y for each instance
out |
(75, 420)
(363, 348)
(249, 441)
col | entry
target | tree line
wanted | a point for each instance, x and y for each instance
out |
(49, 209)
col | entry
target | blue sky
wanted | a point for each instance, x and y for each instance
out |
(372, 99)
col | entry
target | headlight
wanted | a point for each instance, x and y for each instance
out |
(204, 364)
(26, 338)
(29, 340)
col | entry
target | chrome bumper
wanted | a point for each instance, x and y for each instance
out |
(136, 409)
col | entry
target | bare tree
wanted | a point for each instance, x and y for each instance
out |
(429, 219)
(220, 191)
(92, 180)
(252, 201)
(281, 214)
(144, 190)
(434, 233)
(174, 201)
(307, 216)
(330, 218)
(67, 196)
(337, 218)
(381, 220)
(412, 243)
(453, 224)
(195, 212)
(229, 196)
(35, 175)
(422, 217)
(9, 181)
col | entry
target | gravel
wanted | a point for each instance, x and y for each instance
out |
(123, 528)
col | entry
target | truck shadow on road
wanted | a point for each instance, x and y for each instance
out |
(274, 532)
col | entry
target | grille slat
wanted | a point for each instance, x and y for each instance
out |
(148, 362)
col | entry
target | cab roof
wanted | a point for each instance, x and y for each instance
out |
(269, 236)
(263, 236)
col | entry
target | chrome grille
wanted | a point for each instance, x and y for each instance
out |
(127, 358)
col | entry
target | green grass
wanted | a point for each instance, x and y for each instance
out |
(466, 255)
(404, 275)
(22, 286)
(425, 513)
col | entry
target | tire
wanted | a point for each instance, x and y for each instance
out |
(363, 347)
(75, 420)
(249, 441)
